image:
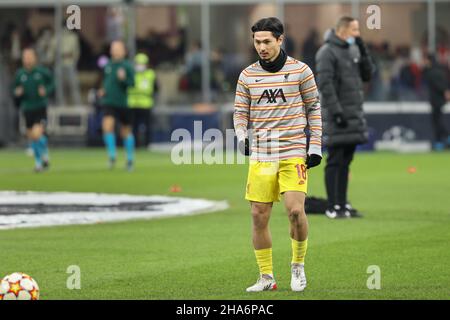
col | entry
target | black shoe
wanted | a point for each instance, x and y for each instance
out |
(337, 213)
(353, 212)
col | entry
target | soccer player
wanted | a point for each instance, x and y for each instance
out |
(32, 86)
(118, 77)
(277, 99)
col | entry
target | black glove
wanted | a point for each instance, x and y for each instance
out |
(244, 147)
(340, 120)
(313, 160)
(362, 46)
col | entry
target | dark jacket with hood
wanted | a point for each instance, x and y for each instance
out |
(341, 69)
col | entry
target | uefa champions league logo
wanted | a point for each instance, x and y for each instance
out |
(38, 209)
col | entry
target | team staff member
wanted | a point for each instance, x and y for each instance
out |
(141, 99)
(32, 85)
(343, 63)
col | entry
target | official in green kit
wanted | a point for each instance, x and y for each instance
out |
(118, 77)
(141, 99)
(32, 86)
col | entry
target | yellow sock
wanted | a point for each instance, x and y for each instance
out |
(299, 250)
(264, 260)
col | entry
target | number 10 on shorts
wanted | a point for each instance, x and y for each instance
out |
(301, 172)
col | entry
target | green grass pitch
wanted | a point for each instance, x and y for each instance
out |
(405, 231)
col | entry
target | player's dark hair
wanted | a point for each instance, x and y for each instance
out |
(344, 21)
(271, 24)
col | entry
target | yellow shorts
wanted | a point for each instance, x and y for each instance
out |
(268, 180)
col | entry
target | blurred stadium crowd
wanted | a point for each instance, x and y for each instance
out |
(171, 36)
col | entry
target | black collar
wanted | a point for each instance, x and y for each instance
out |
(276, 65)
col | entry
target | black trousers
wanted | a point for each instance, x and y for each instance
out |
(142, 120)
(438, 121)
(336, 173)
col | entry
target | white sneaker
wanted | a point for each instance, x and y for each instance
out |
(111, 163)
(332, 214)
(298, 278)
(38, 168)
(264, 283)
(336, 213)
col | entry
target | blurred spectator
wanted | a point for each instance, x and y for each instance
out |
(376, 91)
(172, 47)
(28, 40)
(6, 38)
(149, 44)
(180, 48)
(406, 77)
(94, 99)
(232, 64)
(289, 43)
(217, 70)
(44, 47)
(70, 53)
(310, 47)
(114, 24)
(87, 59)
(194, 57)
(439, 92)
(193, 68)
(164, 48)
(16, 47)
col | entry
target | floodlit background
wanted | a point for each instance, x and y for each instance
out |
(179, 35)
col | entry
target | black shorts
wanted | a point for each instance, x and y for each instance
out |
(123, 115)
(38, 116)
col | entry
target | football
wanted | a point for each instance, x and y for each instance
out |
(19, 286)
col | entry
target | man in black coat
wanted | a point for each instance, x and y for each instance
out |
(343, 63)
(438, 90)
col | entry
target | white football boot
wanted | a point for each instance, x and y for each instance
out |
(264, 283)
(298, 278)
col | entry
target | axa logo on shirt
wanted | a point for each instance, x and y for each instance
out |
(272, 95)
